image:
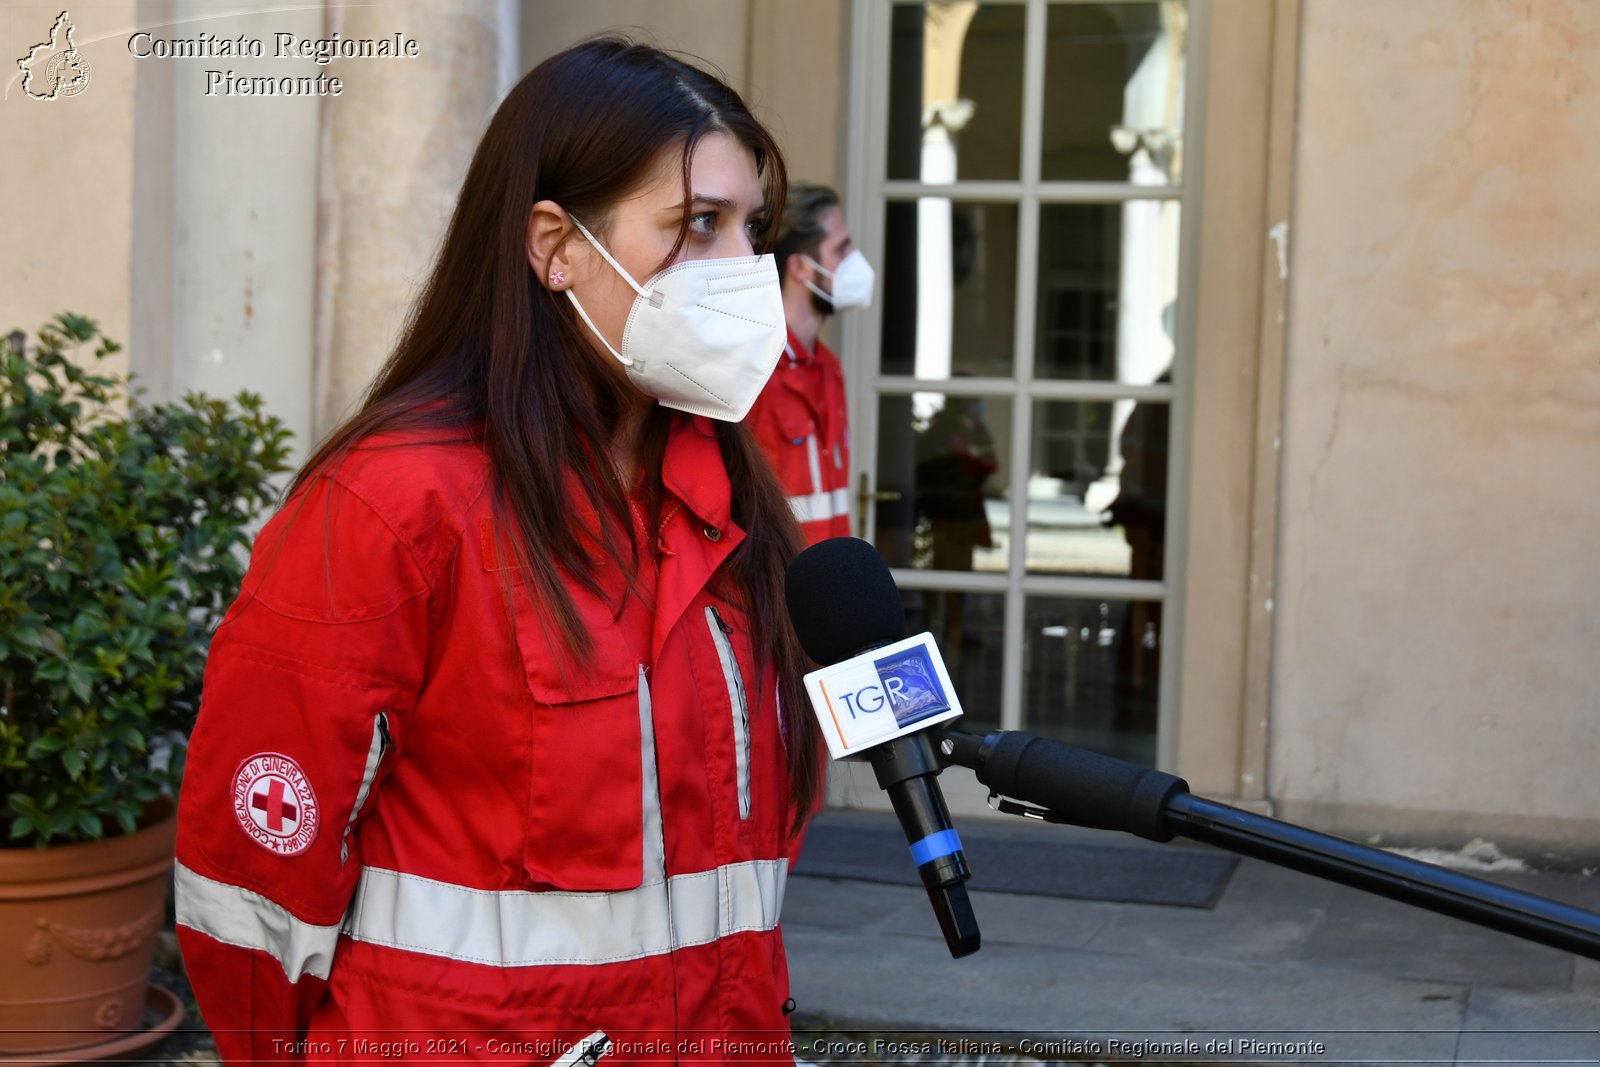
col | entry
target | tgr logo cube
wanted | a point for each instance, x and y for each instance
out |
(908, 685)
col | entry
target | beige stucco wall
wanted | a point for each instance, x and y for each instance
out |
(1436, 635)
(65, 189)
(394, 150)
(714, 30)
(786, 58)
(185, 224)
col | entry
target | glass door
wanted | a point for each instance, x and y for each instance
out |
(1017, 174)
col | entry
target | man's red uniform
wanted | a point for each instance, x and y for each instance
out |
(801, 422)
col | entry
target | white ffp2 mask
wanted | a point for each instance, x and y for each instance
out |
(852, 281)
(704, 335)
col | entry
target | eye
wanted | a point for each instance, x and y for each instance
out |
(703, 223)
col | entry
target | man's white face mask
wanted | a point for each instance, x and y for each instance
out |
(852, 281)
(704, 335)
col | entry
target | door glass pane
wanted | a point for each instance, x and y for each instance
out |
(1097, 488)
(955, 91)
(1113, 93)
(949, 288)
(946, 457)
(1108, 285)
(1091, 668)
(970, 631)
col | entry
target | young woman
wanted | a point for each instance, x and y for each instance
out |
(492, 761)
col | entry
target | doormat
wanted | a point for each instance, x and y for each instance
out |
(1179, 877)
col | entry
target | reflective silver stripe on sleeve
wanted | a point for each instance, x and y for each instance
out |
(239, 917)
(517, 928)
(815, 463)
(741, 708)
(818, 507)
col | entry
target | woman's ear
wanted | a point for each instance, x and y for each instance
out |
(548, 227)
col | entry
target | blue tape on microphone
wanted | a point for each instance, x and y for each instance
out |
(935, 846)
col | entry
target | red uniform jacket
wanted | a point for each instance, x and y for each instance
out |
(409, 817)
(801, 422)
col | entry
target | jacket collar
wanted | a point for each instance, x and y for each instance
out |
(795, 352)
(692, 470)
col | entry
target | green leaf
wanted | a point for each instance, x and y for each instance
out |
(90, 825)
(43, 745)
(74, 762)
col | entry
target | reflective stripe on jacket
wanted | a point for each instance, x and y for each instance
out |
(804, 429)
(513, 854)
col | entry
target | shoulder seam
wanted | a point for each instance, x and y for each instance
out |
(429, 579)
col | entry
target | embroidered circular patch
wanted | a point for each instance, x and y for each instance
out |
(273, 801)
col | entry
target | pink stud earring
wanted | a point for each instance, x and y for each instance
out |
(558, 278)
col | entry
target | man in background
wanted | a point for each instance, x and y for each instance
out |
(800, 418)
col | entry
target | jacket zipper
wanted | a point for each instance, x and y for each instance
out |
(587, 1052)
(382, 743)
(720, 632)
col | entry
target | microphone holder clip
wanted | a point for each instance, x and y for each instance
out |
(1007, 806)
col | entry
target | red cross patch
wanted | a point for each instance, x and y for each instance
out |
(273, 801)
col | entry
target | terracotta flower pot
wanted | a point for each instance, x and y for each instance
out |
(77, 930)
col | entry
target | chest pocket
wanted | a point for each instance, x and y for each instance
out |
(591, 773)
(588, 792)
(798, 464)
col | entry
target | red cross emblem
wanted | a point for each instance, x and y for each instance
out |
(274, 803)
(271, 802)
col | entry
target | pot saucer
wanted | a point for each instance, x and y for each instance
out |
(161, 1005)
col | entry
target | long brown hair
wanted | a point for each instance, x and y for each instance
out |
(486, 344)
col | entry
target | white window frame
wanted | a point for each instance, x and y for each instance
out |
(867, 189)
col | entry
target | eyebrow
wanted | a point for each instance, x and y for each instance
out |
(711, 201)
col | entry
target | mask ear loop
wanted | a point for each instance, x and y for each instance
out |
(813, 287)
(818, 266)
(584, 315)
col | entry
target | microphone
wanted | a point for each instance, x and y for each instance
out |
(843, 603)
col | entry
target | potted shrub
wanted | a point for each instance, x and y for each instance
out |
(123, 536)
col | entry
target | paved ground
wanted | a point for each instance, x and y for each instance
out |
(1283, 964)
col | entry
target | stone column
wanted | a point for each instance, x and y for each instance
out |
(395, 146)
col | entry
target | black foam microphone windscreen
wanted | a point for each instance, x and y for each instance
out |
(843, 600)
